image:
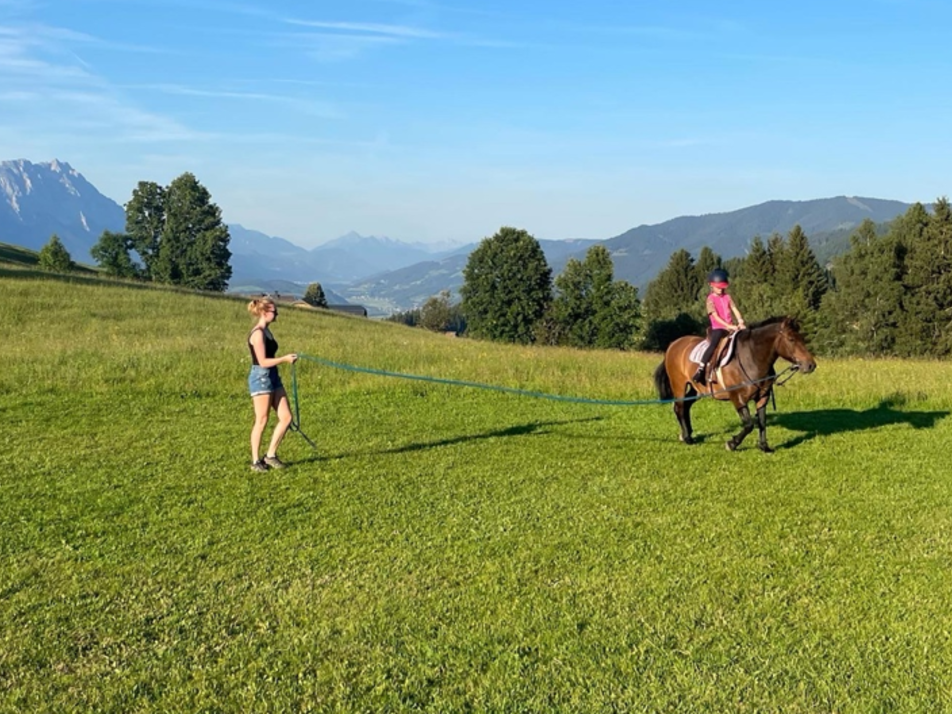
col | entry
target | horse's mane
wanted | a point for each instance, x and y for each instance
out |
(791, 321)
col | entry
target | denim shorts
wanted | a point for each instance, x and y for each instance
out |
(263, 380)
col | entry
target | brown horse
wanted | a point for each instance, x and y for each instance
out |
(748, 376)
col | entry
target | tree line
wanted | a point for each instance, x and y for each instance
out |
(509, 295)
(890, 294)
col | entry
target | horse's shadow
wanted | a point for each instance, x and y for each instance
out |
(825, 422)
(532, 428)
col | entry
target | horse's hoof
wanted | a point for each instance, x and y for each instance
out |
(685, 440)
(730, 445)
(766, 449)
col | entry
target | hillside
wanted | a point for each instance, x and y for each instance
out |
(640, 253)
(17, 255)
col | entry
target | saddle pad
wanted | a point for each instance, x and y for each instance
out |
(698, 352)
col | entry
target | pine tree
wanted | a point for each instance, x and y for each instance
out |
(752, 282)
(862, 314)
(675, 290)
(672, 304)
(54, 256)
(803, 274)
(928, 284)
(507, 287)
(707, 260)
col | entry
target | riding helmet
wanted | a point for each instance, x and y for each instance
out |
(718, 278)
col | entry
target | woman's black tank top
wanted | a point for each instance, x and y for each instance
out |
(270, 346)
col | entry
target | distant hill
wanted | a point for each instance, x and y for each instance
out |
(409, 287)
(257, 257)
(641, 253)
(38, 200)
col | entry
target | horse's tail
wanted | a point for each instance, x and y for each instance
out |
(663, 383)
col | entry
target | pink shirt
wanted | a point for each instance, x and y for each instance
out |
(722, 306)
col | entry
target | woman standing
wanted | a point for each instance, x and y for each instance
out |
(264, 383)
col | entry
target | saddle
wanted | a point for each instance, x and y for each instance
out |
(723, 354)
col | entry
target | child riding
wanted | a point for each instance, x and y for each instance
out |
(721, 310)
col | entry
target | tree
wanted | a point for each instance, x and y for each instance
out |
(672, 306)
(675, 290)
(862, 314)
(801, 270)
(145, 221)
(436, 313)
(707, 260)
(54, 256)
(111, 252)
(752, 282)
(928, 284)
(507, 286)
(572, 312)
(193, 251)
(314, 295)
(619, 322)
(592, 309)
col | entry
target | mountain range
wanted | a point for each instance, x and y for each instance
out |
(37, 200)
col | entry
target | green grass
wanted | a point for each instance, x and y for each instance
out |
(449, 549)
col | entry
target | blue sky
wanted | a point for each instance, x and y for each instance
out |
(442, 120)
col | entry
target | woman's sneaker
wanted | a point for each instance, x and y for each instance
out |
(274, 462)
(259, 465)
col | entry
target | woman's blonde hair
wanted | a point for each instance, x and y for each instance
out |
(259, 306)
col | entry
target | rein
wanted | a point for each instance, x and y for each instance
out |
(793, 369)
(778, 382)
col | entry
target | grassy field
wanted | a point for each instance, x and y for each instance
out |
(450, 549)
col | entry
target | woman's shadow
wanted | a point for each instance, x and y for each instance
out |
(824, 422)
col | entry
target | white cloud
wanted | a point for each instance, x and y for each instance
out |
(370, 28)
(38, 59)
(319, 109)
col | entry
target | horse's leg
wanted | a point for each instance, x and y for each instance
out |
(739, 437)
(682, 411)
(762, 426)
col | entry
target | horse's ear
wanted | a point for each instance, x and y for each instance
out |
(792, 322)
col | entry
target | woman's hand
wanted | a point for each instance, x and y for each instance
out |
(291, 358)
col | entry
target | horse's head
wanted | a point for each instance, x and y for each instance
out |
(790, 345)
